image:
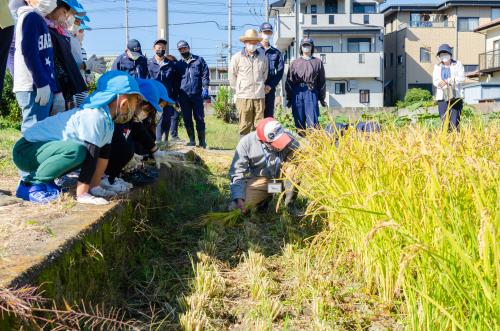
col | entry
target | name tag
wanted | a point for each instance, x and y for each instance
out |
(274, 188)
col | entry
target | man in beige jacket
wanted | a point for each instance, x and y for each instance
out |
(247, 75)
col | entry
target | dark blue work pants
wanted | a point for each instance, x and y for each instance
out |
(455, 110)
(270, 100)
(305, 108)
(192, 106)
(164, 126)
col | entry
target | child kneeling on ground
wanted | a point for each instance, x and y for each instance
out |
(78, 138)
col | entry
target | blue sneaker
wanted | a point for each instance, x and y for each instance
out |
(53, 187)
(37, 193)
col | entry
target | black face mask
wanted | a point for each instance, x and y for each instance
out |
(160, 53)
(186, 55)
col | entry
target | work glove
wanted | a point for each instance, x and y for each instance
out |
(43, 95)
(59, 104)
(323, 103)
(134, 163)
(205, 94)
(161, 157)
(289, 104)
(96, 64)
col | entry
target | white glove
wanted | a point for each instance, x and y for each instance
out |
(134, 163)
(162, 157)
(96, 64)
(43, 95)
(59, 104)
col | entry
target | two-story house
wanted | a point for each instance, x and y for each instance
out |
(415, 29)
(348, 36)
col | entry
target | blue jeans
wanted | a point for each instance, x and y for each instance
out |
(305, 108)
(32, 112)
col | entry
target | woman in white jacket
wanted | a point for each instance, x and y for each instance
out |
(448, 77)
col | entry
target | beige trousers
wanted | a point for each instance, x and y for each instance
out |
(251, 112)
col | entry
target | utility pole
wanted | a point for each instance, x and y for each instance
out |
(297, 28)
(229, 30)
(266, 5)
(126, 22)
(162, 20)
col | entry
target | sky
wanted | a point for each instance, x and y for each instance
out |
(205, 39)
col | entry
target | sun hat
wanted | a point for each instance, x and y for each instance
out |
(73, 4)
(150, 93)
(250, 35)
(84, 26)
(83, 18)
(270, 131)
(109, 86)
(162, 92)
(445, 48)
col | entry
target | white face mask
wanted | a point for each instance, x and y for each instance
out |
(71, 20)
(251, 48)
(306, 50)
(73, 28)
(46, 7)
(445, 58)
(266, 37)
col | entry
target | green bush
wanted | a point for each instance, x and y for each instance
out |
(10, 113)
(224, 107)
(416, 98)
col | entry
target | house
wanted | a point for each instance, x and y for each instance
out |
(415, 29)
(487, 89)
(348, 36)
(218, 78)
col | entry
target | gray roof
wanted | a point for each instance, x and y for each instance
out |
(396, 5)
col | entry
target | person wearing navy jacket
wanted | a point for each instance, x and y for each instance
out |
(162, 68)
(132, 61)
(194, 80)
(276, 68)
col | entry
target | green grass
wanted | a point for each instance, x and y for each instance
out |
(8, 138)
(220, 135)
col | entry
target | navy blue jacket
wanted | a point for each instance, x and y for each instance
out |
(193, 75)
(166, 74)
(137, 68)
(276, 66)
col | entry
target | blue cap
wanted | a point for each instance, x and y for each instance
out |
(150, 93)
(75, 5)
(83, 26)
(445, 48)
(307, 41)
(82, 18)
(134, 46)
(109, 86)
(182, 44)
(266, 27)
(162, 92)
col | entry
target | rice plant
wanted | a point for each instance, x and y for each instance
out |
(419, 209)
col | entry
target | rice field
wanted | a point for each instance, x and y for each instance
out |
(417, 212)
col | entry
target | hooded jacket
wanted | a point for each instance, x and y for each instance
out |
(248, 74)
(34, 55)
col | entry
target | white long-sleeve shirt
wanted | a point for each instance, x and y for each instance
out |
(457, 77)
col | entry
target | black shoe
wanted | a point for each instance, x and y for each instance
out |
(192, 141)
(201, 138)
(138, 178)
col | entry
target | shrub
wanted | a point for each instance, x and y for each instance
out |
(224, 107)
(10, 113)
(416, 98)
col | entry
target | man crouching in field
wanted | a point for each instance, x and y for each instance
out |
(258, 163)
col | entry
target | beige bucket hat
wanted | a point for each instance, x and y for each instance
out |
(251, 35)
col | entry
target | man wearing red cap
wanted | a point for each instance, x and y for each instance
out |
(257, 165)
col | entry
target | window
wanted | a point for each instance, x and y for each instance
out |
(471, 67)
(366, 19)
(331, 19)
(425, 54)
(361, 58)
(364, 8)
(392, 59)
(495, 13)
(314, 19)
(339, 88)
(359, 45)
(314, 9)
(496, 44)
(364, 96)
(323, 49)
(467, 24)
(331, 7)
(323, 58)
(400, 59)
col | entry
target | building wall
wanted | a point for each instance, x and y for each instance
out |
(492, 36)
(351, 98)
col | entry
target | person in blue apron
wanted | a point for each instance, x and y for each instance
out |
(448, 77)
(162, 67)
(276, 68)
(193, 79)
(305, 87)
(132, 61)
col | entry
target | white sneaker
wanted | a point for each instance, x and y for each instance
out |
(117, 187)
(89, 199)
(99, 191)
(127, 184)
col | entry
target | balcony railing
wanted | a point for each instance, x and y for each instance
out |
(432, 24)
(489, 61)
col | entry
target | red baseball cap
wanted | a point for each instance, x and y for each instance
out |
(270, 131)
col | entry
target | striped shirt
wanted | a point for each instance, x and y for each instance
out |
(80, 97)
